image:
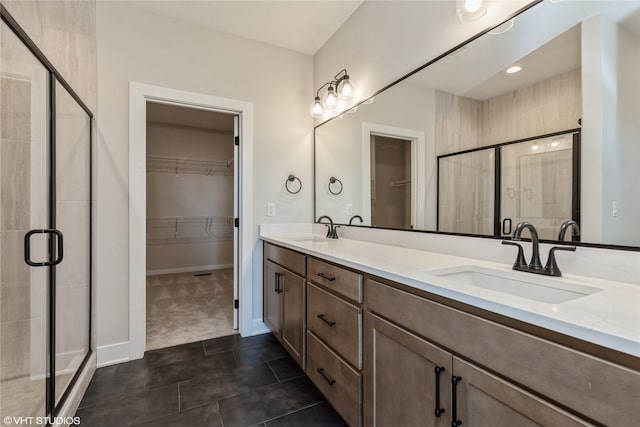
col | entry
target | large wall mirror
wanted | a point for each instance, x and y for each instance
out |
(536, 120)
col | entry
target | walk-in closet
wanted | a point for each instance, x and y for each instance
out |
(190, 225)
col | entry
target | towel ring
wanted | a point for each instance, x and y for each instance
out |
(292, 178)
(333, 180)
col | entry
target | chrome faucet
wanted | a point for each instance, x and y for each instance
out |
(535, 266)
(354, 217)
(565, 226)
(332, 232)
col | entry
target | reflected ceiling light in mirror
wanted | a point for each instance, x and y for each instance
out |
(501, 29)
(470, 10)
(339, 90)
(534, 147)
(514, 69)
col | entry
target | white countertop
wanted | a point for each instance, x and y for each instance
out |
(609, 317)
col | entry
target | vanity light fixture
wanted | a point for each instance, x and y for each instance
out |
(470, 10)
(514, 69)
(340, 89)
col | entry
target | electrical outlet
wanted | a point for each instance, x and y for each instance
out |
(614, 209)
(271, 209)
(349, 209)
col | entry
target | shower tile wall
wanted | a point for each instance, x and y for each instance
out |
(66, 32)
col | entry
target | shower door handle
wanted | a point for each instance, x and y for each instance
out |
(27, 247)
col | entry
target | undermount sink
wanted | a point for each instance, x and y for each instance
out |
(310, 239)
(537, 288)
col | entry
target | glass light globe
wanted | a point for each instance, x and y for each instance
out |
(315, 108)
(330, 98)
(347, 88)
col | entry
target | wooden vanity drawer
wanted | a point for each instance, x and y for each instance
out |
(336, 322)
(338, 279)
(338, 382)
(596, 388)
(288, 259)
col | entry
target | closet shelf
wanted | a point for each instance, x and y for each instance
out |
(189, 229)
(184, 166)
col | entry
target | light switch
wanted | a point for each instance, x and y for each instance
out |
(271, 209)
(349, 209)
(614, 209)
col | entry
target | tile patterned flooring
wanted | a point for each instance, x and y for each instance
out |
(187, 308)
(222, 382)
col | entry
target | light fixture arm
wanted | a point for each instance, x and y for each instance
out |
(320, 88)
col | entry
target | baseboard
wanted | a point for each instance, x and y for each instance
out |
(188, 269)
(259, 328)
(70, 406)
(113, 353)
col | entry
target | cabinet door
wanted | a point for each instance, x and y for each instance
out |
(400, 378)
(272, 309)
(293, 325)
(486, 400)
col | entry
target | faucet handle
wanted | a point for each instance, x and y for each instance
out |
(552, 269)
(328, 230)
(334, 234)
(521, 262)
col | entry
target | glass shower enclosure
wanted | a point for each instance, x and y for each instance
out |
(45, 230)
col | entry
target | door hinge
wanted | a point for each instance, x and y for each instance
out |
(236, 140)
(236, 303)
(236, 222)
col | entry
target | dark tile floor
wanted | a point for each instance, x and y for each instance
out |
(228, 381)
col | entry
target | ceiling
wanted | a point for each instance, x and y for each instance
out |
(192, 117)
(302, 25)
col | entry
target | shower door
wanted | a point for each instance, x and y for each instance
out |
(45, 230)
(24, 206)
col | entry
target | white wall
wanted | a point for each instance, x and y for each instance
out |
(138, 46)
(197, 245)
(383, 40)
(611, 89)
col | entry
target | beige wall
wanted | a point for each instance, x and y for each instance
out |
(138, 46)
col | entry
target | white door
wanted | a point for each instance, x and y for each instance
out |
(236, 213)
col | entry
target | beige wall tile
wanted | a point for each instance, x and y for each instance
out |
(15, 351)
(15, 194)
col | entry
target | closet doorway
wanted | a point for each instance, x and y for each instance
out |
(191, 205)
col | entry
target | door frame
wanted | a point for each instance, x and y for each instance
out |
(139, 95)
(418, 164)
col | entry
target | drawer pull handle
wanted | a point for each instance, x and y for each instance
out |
(326, 277)
(328, 322)
(328, 379)
(439, 411)
(454, 401)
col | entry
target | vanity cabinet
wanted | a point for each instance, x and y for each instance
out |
(384, 354)
(284, 299)
(520, 372)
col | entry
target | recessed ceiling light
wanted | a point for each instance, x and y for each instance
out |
(514, 69)
(501, 29)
